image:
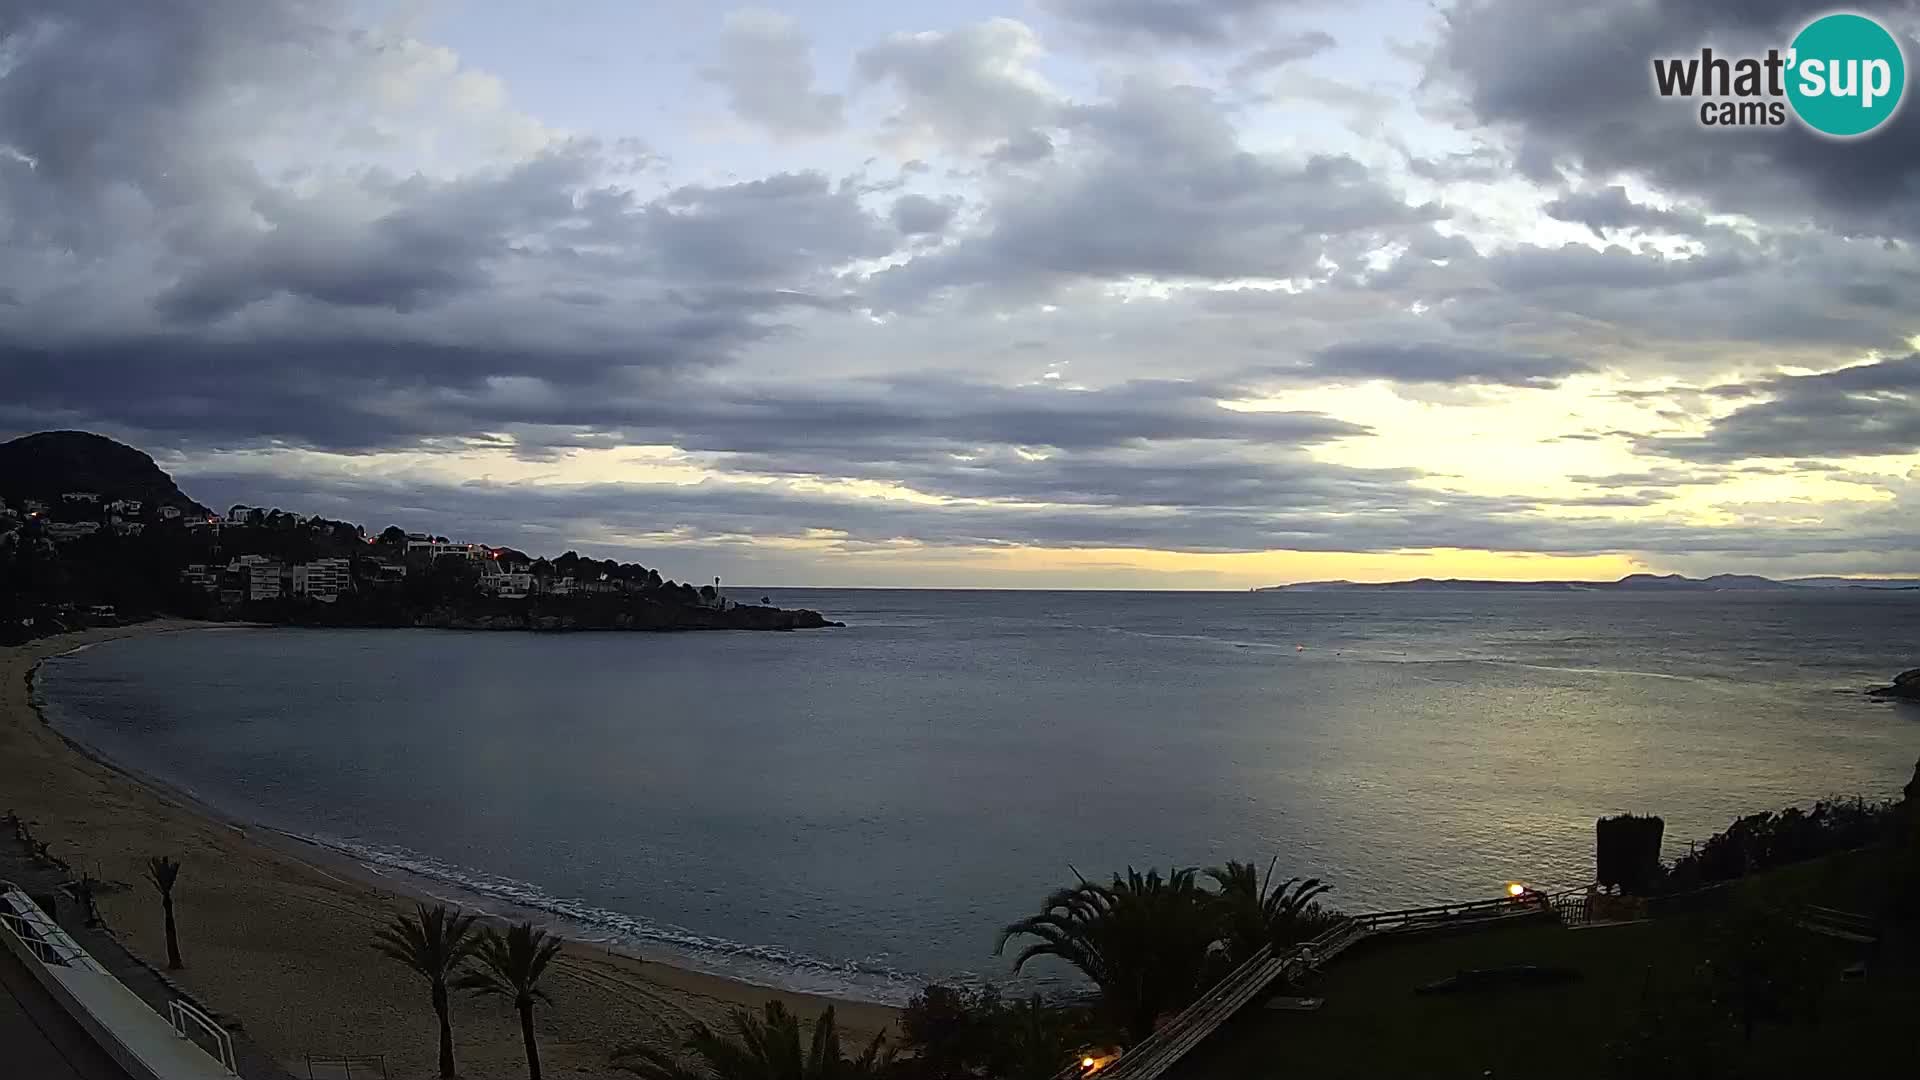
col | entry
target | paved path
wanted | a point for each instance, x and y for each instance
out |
(40, 1040)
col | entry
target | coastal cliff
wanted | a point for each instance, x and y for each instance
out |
(662, 619)
(1906, 687)
(476, 613)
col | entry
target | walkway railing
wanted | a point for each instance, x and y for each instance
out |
(40, 934)
(143, 1043)
(1154, 1055)
(182, 1014)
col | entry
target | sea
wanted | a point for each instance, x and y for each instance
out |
(858, 811)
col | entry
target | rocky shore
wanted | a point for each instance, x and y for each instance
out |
(1906, 687)
(642, 618)
(555, 615)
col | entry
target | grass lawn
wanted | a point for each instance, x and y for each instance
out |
(1374, 1025)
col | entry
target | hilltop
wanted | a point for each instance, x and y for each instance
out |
(47, 465)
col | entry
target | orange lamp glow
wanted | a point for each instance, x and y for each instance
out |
(1516, 889)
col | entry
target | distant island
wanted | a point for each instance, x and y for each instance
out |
(1630, 583)
(92, 531)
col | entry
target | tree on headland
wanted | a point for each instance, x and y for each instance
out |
(764, 1047)
(163, 871)
(1255, 914)
(510, 967)
(1146, 941)
(433, 942)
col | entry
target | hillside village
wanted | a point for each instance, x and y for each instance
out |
(78, 556)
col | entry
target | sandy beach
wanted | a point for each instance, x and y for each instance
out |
(282, 942)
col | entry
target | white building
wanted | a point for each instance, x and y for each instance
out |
(322, 579)
(34, 506)
(81, 496)
(168, 513)
(201, 576)
(239, 513)
(125, 506)
(123, 527)
(71, 530)
(508, 584)
(436, 548)
(259, 576)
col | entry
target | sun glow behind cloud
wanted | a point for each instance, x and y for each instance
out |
(1175, 295)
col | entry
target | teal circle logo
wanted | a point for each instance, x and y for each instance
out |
(1846, 75)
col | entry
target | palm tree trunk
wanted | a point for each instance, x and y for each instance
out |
(446, 1031)
(173, 939)
(526, 1033)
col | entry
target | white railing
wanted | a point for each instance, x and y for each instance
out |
(145, 1044)
(40, 935)
(181, 1013)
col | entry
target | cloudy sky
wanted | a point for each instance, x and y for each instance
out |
(1078, 293)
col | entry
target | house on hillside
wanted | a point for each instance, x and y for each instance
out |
(62, 531)
(240, 514)
(257, 577)
(322, 579)
(125, 506)
(81, 497)
(169, 513)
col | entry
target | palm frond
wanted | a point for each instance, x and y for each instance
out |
(434, 942)
(162, 871)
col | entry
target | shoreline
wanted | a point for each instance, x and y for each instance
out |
(276, 928)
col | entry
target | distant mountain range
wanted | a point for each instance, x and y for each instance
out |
(1630, 583)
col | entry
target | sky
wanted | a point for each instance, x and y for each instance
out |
(1031, 293)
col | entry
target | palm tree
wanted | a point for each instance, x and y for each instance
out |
(1145, 941)
(510, 967)
(765, 1047)
(433, 942)
(163, 871)
(1255, 914)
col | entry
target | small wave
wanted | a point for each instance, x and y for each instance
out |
(772, 965)
(1492, 662)
(1205, 639)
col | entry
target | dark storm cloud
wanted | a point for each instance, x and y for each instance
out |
(1577, 266)
(1443, 363)
(1208, 23)
(1861, 411)
(622, 515)
(1576, 94)
(1610, 208)
(917, 215)
(1159, 185)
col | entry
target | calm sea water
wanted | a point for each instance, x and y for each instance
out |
(855, 810)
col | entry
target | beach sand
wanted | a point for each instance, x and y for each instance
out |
(282, 942)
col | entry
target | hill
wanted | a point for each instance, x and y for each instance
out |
(46, 465)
